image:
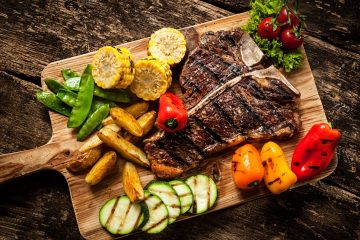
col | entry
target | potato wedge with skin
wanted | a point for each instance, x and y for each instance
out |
(146, 122)
(95, 141)
(108, 121)
(84, 160)
(131, 182)
(123, 147)
(137, 109)
(125, 120)
(102, 168)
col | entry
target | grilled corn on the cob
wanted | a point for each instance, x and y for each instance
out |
(152, 78)
(113, 67)
(167, 44)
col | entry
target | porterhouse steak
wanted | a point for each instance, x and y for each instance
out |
(231, 98)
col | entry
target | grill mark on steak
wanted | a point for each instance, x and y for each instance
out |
(188, 139)
(213, 134)
(218, 107)
(180, 149)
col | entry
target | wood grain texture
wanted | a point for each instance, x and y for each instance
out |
(55, 153)
(39, 206)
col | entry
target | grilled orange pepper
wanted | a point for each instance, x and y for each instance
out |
(247, 170)
(278, 175)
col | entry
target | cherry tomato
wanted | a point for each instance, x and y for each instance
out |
(283, 18)
(289, 39)
(266, 29)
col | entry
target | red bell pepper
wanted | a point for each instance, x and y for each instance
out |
(315, 151)
(172, 115)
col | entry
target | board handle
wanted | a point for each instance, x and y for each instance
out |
(21, 163)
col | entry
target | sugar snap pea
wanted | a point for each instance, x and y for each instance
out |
(97, 102)
(68, 73)
(116, 95)
(83, 102)
(67, 97)
(54, 85)
(51, 101)
(73, 83)
(93, 121)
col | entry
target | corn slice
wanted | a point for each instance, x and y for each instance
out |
(167, 44)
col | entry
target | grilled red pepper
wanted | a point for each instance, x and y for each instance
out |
(315, 151)
(172, 113)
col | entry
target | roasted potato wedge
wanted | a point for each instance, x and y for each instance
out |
(107, 121)
(131, 182)
(125, 120)
(137, 109)
(95, 141)
(102, 168)
(84, 160)
(123, 147)
(146, 122)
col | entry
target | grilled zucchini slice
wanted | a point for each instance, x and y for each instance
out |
(184, 193)
(168, 195)
(205, 193)
(120, 216)
(158, 215)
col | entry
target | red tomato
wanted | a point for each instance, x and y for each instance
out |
(283, 18)
(266, 29)
(289, 40)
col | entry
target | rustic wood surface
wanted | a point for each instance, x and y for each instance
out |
(34, 33)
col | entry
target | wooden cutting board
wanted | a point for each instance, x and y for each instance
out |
(88, 200)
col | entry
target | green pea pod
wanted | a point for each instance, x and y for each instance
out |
(73, 83)
(93, 121)
(116, 95)
(54, 85)
(98, 127)
(51, 101)
(83, 102)
(97, 102)
(67, 97)
(68, 73)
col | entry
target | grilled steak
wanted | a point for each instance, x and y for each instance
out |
(220, 57)
(230, 98)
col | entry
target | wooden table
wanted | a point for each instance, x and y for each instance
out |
(35, 33)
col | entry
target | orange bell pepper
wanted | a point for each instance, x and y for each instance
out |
(278, 175)
(247, 170)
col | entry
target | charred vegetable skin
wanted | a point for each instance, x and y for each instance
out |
(278, 176)
(315, 151)
(172, 113)
(247, 169)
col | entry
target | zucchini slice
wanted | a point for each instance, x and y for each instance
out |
(184, 193)
(204, 191)
(120, 216)
(158, 215)
(168, 195)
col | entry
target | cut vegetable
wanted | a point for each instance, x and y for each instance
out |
(184, 193)
(131, 182)
(167, 44)
(204, 191)
(113, 68)
(158, 214)
(152, 78)
(120, 216)
(168, 195)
